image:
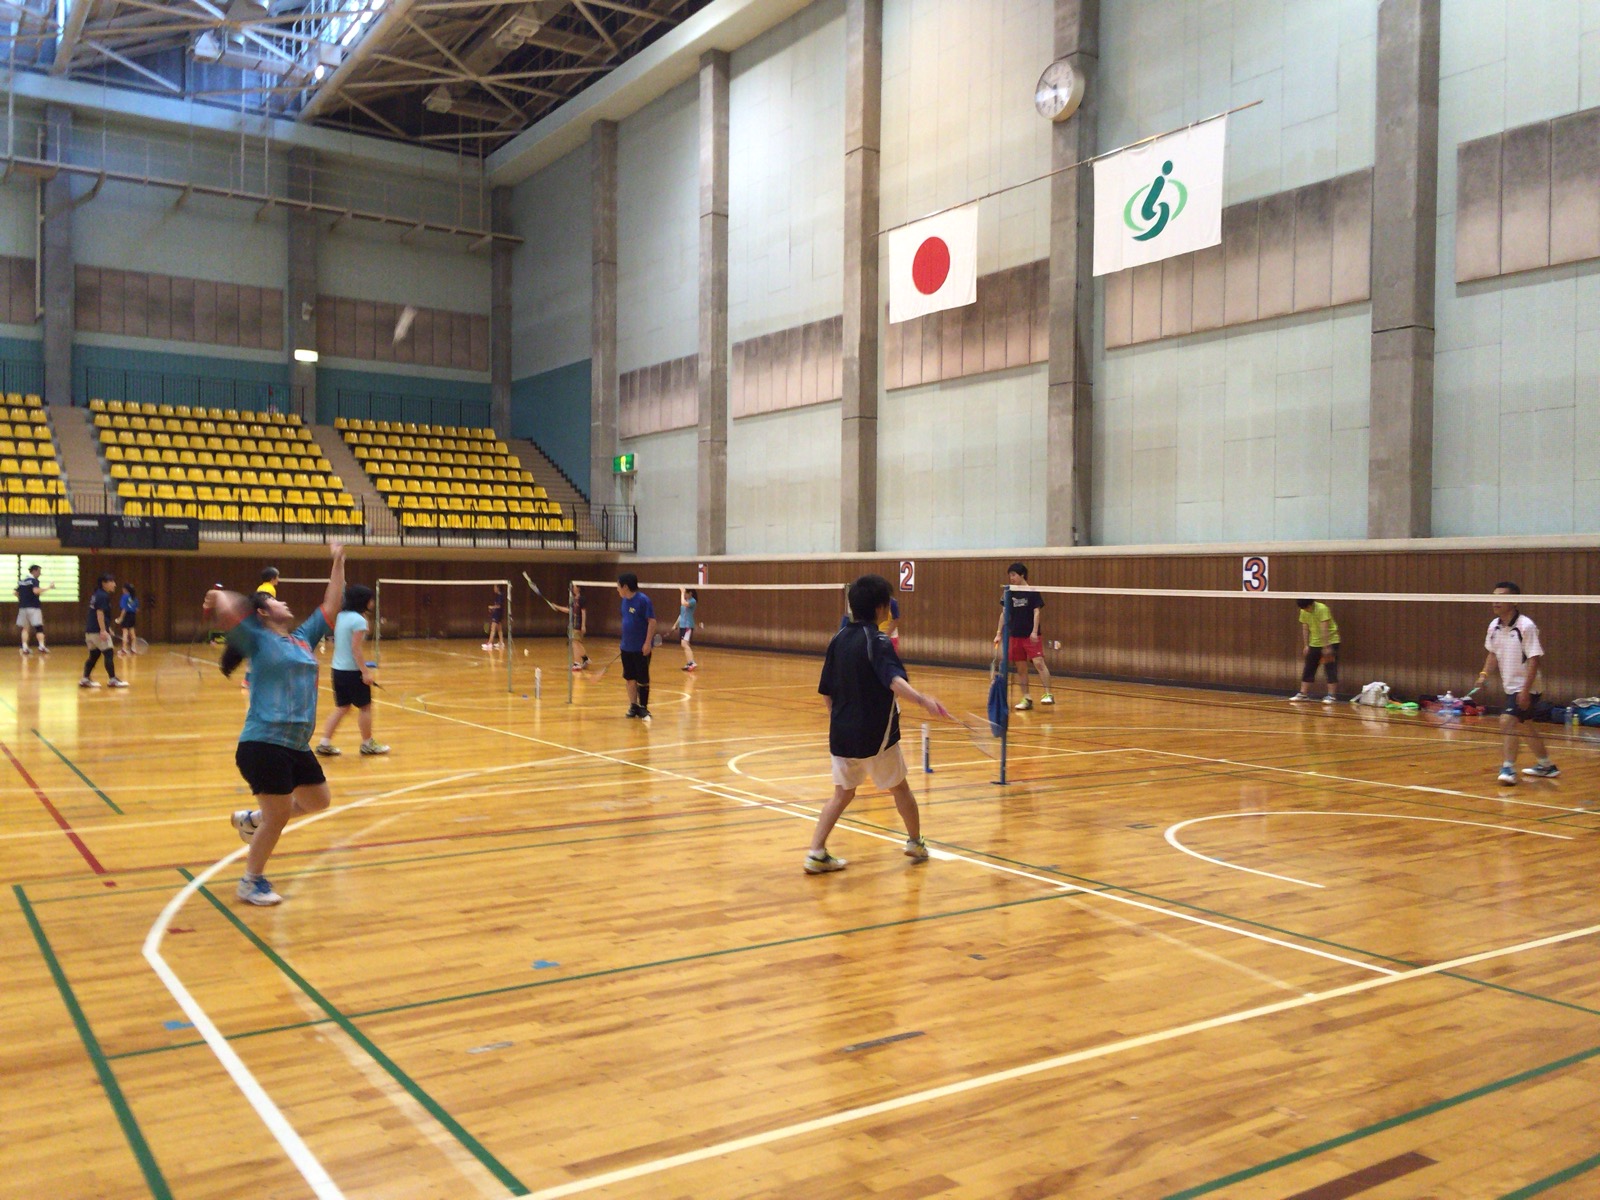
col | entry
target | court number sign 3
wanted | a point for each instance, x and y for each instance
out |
(1255, 573)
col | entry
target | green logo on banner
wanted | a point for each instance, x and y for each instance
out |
(1154, 212)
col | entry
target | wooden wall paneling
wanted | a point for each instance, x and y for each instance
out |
(384, 316)
(1275, 297)
(758, 363)
(405, 350)
(1525, 198)
(1147, 302)
(135, 301)
(250, 318)
(112, 283)
(421, 337)
(812, 389)
(86, 299)
(460, 341)
(1040, 312)
(443, 337)
(20, 300)
(738, 400)
(366, 330)
(910, 352)
(952, 339)
(342, 312)
(183, 310)
(1351, 268)
(1118, 289)
(1313, 247)
(479, 337)
(993, 298)
(1177, 295)
(158, 306)
(272, 318)
(972, 349)
(327, 324)
(1241, 263)
(786, 376)
(227, 314)
(205, 311)
(1018, 315)
(836, 355)
(894, 374)
(1575, 187)
(626, 405)
(1206, 303)
(1478, 167)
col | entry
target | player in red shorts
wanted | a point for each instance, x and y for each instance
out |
(1027, 643)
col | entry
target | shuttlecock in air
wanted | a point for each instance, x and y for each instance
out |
(402, 327)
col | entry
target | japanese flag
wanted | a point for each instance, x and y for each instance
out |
(933, 264)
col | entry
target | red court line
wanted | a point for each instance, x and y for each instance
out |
(88, 857)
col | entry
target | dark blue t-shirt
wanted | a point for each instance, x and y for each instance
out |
(100, 602)
(637, 613)
(28, 592)
(858, 676)
(1023, 605)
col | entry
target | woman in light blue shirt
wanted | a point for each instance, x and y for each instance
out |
(352, 678)
(688, 600)
(274, 754)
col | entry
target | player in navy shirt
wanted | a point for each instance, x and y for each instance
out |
(97, 633)
(638, 638)
(30, 615)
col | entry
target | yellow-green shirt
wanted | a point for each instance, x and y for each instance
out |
(1313, 619)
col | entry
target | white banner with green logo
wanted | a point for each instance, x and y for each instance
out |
(1159, 199)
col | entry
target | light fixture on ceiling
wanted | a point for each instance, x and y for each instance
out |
(305, 356)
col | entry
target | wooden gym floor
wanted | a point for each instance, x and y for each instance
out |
(1203, 945)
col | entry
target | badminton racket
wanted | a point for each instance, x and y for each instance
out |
(553, 606)
(402, 699)
(179, 678)
(599, 672)
(140, 646)
(979, 732)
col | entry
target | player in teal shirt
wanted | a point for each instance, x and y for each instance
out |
(274, 753)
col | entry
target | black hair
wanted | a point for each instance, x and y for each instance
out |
(691, 593)
(628, 580)
(1018, 569)
(1508, 587)
(356, 598)
(132, 591)
(35, 567)
(269, 574)
(105, 578)
(1305, 603)
(867, 595)
(232, 656)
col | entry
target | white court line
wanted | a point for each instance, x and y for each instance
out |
(1172, 834)
(271, 1115)
(800, 810)
(1405, 787)
(847, 1116)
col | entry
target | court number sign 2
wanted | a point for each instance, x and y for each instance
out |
(908, 576)
(1255, 573)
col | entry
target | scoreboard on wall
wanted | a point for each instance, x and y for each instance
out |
(109, 531)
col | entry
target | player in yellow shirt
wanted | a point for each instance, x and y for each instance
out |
(1322, 646)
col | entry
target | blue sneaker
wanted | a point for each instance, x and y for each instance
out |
(1508, 775)
(1542, 771)
(258, 891)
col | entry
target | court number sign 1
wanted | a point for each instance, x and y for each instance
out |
(1255, 573)
(908, 576)
(700, 573)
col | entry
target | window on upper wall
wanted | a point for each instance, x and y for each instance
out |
(59, 572)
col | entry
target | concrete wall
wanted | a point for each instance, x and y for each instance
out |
(551, 283)
(664, 491)
(1516, 414)
(658, 241)
(552, 410)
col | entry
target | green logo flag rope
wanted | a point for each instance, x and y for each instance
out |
(1160, 199)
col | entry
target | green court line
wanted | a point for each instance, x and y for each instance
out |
(1405, 1118)
(414, 1089)
(665, 962)
(73, 767)
(1550, 1181)
(153, 1178)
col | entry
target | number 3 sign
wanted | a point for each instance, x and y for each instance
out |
(1255, 573)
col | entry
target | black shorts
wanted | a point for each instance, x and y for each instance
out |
(276, 770)
(636, 666)
(497, 615)
(1522, 714)
(348, 690)
(1330, 669)
(129, 620)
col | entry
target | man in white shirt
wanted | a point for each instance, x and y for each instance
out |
(1514, 647)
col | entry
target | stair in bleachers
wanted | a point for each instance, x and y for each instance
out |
(347, 468)
(553, 479)
(79, 456)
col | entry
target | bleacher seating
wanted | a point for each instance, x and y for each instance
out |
(219, 465)
(30, 474)
(449, 478)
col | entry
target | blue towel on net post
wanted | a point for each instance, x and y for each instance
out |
(999, 709)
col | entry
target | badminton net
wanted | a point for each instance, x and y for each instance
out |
(444, 609)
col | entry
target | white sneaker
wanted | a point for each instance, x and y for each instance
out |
(244, 820)
(26, 652)
(917, 848)
(118, 683)
(88, 683)
(1330, 700)
(1298, 697)
(258, 891)
(1023, 705)
(821, 864)
(373, 746)
(328, 750)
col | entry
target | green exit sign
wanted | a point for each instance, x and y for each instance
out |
(622, 464)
